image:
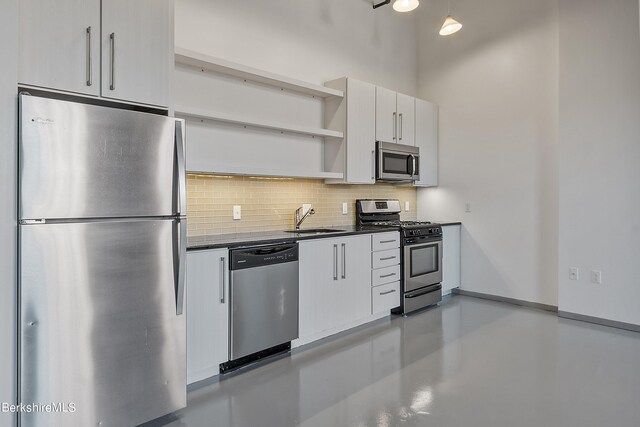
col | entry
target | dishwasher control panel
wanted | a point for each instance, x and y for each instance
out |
(263, 255)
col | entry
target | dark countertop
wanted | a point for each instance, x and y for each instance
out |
(445, 223)
(274, 236)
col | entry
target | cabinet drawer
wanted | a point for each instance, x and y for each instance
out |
(385, 275)
(385, 258)
(384, 241)
(385, 297)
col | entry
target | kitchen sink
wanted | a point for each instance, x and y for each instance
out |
(314, 231)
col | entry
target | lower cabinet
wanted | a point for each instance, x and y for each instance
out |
(207, 312)
(450, 258)
(335, 284)
(385, 273)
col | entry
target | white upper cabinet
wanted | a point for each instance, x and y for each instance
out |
(427, 141)
(355, 116)
(59, 45)
(406, 127)
(395, 117)
(118, 49)
(137, 50)
(386, 115)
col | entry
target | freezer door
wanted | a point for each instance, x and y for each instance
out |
(98, 322)
(87, 161)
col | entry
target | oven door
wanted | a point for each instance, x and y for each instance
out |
(422, 264)
(397, 162)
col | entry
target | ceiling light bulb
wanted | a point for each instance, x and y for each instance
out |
(450, 26)
(405, 5)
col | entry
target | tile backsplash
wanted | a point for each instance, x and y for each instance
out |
(269, 203)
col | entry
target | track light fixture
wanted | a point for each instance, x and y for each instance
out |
(399, 5)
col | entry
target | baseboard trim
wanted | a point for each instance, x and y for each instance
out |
(599, 321)
(523, 303)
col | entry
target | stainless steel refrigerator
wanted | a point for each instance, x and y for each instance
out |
(102, 257)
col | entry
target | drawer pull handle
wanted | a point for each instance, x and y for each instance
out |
(388, 241)
(388, 292)
(387, 258)
(388, 275)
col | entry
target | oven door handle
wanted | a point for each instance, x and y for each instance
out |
(421, 292)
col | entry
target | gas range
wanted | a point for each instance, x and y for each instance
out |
(420, 252)
(386, 213)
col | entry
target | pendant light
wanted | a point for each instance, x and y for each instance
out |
(405, 5)
(450, 24)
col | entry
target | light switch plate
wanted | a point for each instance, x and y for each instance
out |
(345, 208)
(406, 206)
(467, 207)
(237, 212)
(596, 277)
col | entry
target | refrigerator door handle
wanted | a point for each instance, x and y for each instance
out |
(182, 187)
(180, 261)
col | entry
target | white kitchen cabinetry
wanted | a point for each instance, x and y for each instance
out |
(137, 50)
(386, 115)
(427, 141)
(406, 106)
(395, 117)
(59, 45)
(207, 313)
(385, 272)
(450, 258)
(116, 49)
(354, 116)
(335, 284)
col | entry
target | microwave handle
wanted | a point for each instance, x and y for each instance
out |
(410, 164)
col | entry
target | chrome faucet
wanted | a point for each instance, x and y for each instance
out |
(299, 220)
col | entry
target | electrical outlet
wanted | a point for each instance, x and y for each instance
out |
(406, 206)
(574, 273)
(467, 207)
(237, 212)
(345, 209)
(596, 277)
(305, 208)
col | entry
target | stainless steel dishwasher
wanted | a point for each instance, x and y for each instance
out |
(264, 302)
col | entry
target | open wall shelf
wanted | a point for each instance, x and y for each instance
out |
(218, 65)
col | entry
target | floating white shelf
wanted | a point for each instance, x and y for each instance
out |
(218, 65)
(205, 168)
(184, 111)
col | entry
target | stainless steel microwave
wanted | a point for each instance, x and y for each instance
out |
(397, 162)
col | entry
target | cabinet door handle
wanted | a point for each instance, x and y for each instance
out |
(395, 126)
(223, 279)
(112, 80)
(373, 165)
(400, 126)
(387, 275)
(387, 241)
(344, 260)
(335, 262)
(388, 292)
(89, 59)
(387, 258)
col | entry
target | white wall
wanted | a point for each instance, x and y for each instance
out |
(8, 83)
(312, 40)
(600, 157)
(496, 84)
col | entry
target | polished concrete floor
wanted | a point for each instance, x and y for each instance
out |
(469, 362)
